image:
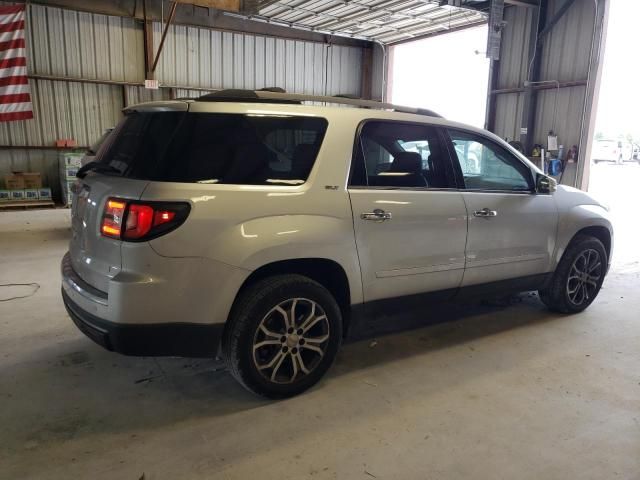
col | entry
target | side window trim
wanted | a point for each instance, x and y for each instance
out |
(458, 170)
(447, 161)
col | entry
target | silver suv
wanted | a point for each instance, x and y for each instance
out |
(255, 226)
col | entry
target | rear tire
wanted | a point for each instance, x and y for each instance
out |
(578, 277)
(277, 354)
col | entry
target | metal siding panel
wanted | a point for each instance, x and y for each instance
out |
(319, 66)
(290, 66)
(259, 55)
(227, 60)
(216, 59)
(270, 62)
(87, 48)
(567, 46)
(71, 43)
(508, 114)
(238, 61)
(193, 56)
(55, 38)
(187, 93)
(567, 104)
(137, 94)
(298, 67)
(515, 48)
(179, 60)
(377, 73)
(279, 65)
(249, 56)
(133, 50)
(92, 118)
(37, 45)
(77, 113)
(101, 32)
(62, 109)
(205, 59)
(308, 69)
(84, 45)
(65, 110)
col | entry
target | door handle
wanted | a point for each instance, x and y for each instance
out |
(485, 212)
(377, 215)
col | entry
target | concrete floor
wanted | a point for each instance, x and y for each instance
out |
(506, 391)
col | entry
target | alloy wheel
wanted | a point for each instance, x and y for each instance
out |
(584, 277)
(291, 340)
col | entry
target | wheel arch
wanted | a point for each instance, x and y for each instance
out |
(601, 233)
(328, 273)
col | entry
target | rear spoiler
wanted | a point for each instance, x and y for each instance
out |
(161, 106)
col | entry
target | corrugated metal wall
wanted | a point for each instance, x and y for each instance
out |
(198, 57)
(512, 71)
(565, 57)
(84, 45)
(67, 43)
(379, 73)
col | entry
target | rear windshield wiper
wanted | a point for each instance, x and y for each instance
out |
(96, 167)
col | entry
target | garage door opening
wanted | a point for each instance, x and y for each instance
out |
(615, 154)
(447, 73)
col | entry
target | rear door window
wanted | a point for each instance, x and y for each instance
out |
(399, 155)
(216, 148)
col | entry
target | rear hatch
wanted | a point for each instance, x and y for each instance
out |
(137, 140)
(172, 154)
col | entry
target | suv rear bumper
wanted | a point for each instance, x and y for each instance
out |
(166, 339)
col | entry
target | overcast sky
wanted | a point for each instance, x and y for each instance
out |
(446, 75)
(619, 102)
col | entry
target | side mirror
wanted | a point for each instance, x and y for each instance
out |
(545, 184)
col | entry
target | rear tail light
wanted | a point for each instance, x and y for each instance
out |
(139, 221)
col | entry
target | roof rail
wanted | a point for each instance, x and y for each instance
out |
(273, 95)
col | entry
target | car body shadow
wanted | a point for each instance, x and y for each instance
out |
(74, 388)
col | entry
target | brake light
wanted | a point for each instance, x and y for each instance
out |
(112, 218)
(139, 221)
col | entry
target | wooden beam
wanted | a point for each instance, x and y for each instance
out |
(147, 27)
(228, 5)
(191, 15)
(172, 14)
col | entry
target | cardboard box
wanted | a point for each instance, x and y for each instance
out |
(32, 180)
(14, 181)
(5, 195)
(44, 193)
(17, 195)
(30, 194)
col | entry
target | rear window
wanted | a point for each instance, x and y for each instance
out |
(214, 148)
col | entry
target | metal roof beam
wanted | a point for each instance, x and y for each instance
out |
(523, 3)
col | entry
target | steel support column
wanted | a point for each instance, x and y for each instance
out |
(527, 132)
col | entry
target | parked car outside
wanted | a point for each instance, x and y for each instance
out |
(615, 151)
(254, 227)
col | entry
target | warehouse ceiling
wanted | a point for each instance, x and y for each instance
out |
(384, 21)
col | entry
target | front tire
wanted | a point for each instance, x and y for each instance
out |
(283, 335)
(578, 277)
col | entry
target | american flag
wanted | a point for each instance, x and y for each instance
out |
(15, 101)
